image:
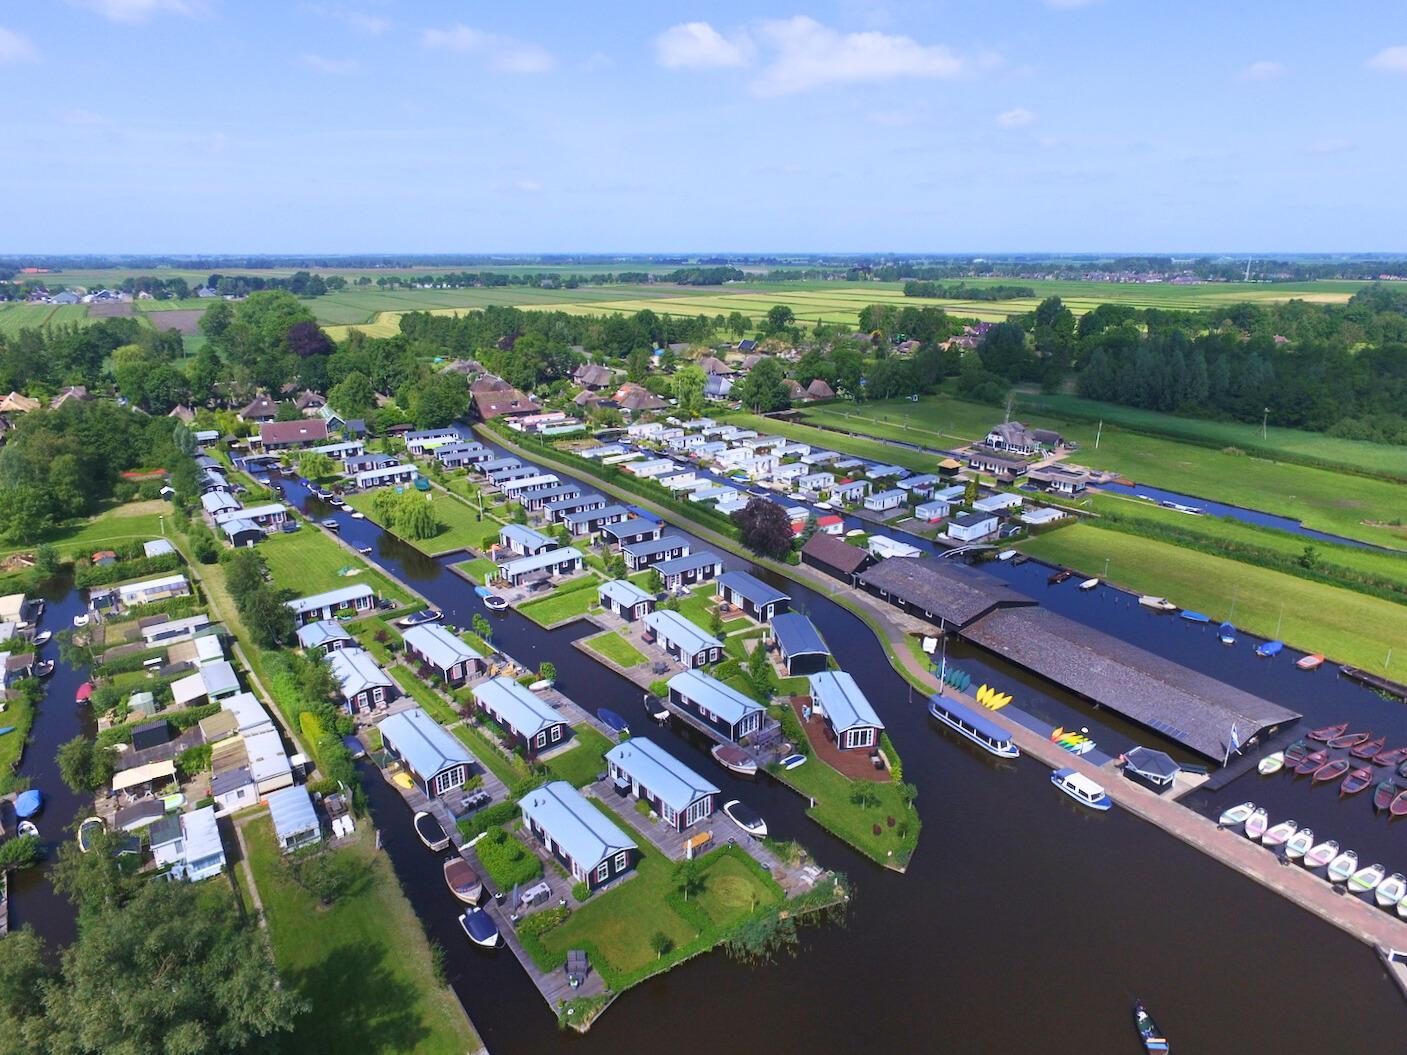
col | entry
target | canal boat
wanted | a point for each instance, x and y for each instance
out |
(1080, 788)
(1280, 833)
(1321, 854)
(331, 525)
(1270, 648)
(1148, 1031)
(1158, 604)
(1296, 752)
(495, 603)
(42, 638)
(1313, 661)
(1089, 584)
(1368, 750)
(81, 619)
(1298, 844)
(1366, 880)
(1399, 805)
(1059, 576)
(463, 882)
(429, 615)
(364, 550)
(357, 514)
(1349, 740)
(974, 725)
(1384, 793)
(733, 757)
(1236, 815)
(1331, 770)
(28, 803)
(430, 831)
(1343, 866)
(1311, 762)
(1391, 758)
(1329, 732)
(87, 831)
(1226, 634)
(480, 928)
(1271, 764)
(1391, 890)
(746, 818)
(1194, 617)
(613, 721)
(1256, 824)
(27, 828)
(1356, 781)
(656, 709)
(44, 668)
(792, 761)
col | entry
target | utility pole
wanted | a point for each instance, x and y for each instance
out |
(1265, 420)
(1098, 433)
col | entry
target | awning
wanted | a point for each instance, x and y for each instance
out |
(1155, 766)
(138, 775)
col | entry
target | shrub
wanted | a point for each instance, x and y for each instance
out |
(539, 923)
(581, 891)
(506, 860)
(499, 813)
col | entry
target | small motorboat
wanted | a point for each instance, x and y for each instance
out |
(1237, 815)
(88, 830)
(84, 692)
(44, 668)
(1296, 752)
(1271, 763)
(1256, 824)
(1331, 770)
(1343, 866)
(792, 761)
(1270, 648)
(749, 820)
(1280, 833)
(364, 550)
(81, 619)
(357, 514)
(429, 615)
(1356, 781)
(1148, 1031)
(430, 831)
(542, 685)
(495, 603)
(731, 756)
(1349, 740)
(1311, 762)
(1060, 576)
(1310, 662)
(1006, 554)
(480, 928)
(463, 882)
(27, 828)
(331, 524)
(1328, 733)
(1158, 604)
(613, 721)
(1194, 617)
(1393, 757)
(336, 502)
(1322, 854)
(1089, 584)
(1366, 879)
(1080, 788)
(173, 803)
(1369, 749)
(1391, 890)
(1226, 634)
(1298, 844)
(42, 638)
(1399, 805)
(660, 713)
(1384, 793)
(28, 803)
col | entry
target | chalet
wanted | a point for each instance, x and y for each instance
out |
(752, 595)
(149, 591)
(309, 402)
(494, 465)
(792, 471)
(324, 636)
(718, 387)
(521, 486)
(359, 598)
(997, 503)
(395, 473)
(834, 557)
(850, 491)
(564, 561)
(708, 451)
(233, 789)
(436, 760)
(713, 494)
(202, 852)
(559, 509)
(922, 484)
(530, 720)
(970, 527)
(578, 834)
(212, 683)
(363, 684)
(540, 498)
(260, 410)
(690, 570)
(213, 481)
(644, 430)
(457, 455)
(799, 644)
(883, 547)
(341, 450)
(996, 465)
(631, 530)
(723, 708)
(625, 599)
(653, 467)
(433, 644)
(933, 510)
(524, 541)
(164, 631)
(686, 442)
(675, 792)
(285, 435)
(216, 502)
(589, 521)
(1059, 480)
(816, 482)
(240, 532)
(268, 516)
(295, 821)
(682, 640)
(424, 441)
(850, 719)
(885, 472)
(500, 477)
(641, 555)
(1035, 516)
(819, 457)
(682, 480)
(360, 463)
(602, 450)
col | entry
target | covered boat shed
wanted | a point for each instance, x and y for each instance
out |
(800, 644)
(947, 595)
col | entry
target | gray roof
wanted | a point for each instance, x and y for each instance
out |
(526, 713)
(585, 516)
(631, 526)
(691, 562)
(356, 671)
(336, 598)
(239, 526)
(585, 834)
(423, 743)
(547, 559)
(722, 699)
(202, 834)
(956, 595)
(166, 830)
(973, 519)
(1182, 704)
(524, 535)
(292, 811)
(438, 645)
(321, 632)
(624, 592)
(797, 635)
(650, 546)
(751, 587)
(678, 630)
(230, 780)
(652, 766)
(267, 758)
(845, 705)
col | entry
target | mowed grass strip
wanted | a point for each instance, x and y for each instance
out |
(616, 648)
(574, 599)
(459, 528)
(582, 763)
(429, 700)
(1346, 626)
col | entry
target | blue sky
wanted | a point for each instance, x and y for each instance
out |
(1006, 125)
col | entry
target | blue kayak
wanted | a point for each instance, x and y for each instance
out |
(6, 729)
(28, 803)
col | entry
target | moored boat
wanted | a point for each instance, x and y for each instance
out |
(1270, 648)
(1298, 844)
(1399, 804)
(1310, 662)
(792, 761)
(357, 514)
(974, 724)
(463, 882)
(331, 525)
(1330, 770)
(1226, 634)
(1271, 763)
(495, 603)
(1089, 584)
(1384, 793)
(88, 830)
(1158, 604)
(1356, 781)
(430, 831)
(612, 720)
(1256, 824)
(1296, 752)
(1366, 879)
(1237, 815)
(429, 615)
(1080, 788)
(1060, 576)
(1392, 757)
(480, 928)
(42, 638)
(731, 756)
(363, 550)
(28, 803)
(1328, 732)
(27, 828)
(1280, 833)
(1194, 617)
(1391, 890)
(657, 710)
(1311, 762)
(1321, 854)
(1369, 748)
(1148, 1031)
(1349, 740)
(1343, 866)
(749, 820)
(44, 668)
(84, 691)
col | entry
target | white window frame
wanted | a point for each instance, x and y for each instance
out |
(540, 740)
(603, 871)
(556, 733)
(622, 860)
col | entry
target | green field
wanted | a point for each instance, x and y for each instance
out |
(458, 527)
(1348, 627)
(121, 523)
(584, 761)
(309, 562)
(615, 647)
(363, 964)
(574, 599)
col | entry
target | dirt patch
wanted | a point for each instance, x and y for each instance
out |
(185, 320)
(109, 309)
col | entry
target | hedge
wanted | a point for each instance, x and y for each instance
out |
(86, 574)
(506, 860)
(494, 816)
(182, 720)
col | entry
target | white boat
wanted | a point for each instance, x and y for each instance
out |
(1280, 833)
(1366, 879)
(1271, 763)
(1089, 584)
(1322, 854)
(745, 818)
(1343, 866)
(541, 685)
(357, 514)
(1298, 844)
(81, 619)
(42, 638)
(430, 831)
(27, 828)
(1391, 890)
(1080, 788)
(1158, 604)
(1006, 554)
(1256, 823)
(1237, 815)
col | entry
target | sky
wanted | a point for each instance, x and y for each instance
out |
(447, 126)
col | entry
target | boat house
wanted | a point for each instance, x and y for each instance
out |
(641, 555)
(682, 640)
(752, 595)
(690, 570)
(835, 557)
(579, 835)
(948, 596)
(434, 645)
(626, 600)
(359, 598)
(798, 641)
(437, 760)
(850, 720)
(679, 795)
(531, 720)
(564, 561)
(721, 707)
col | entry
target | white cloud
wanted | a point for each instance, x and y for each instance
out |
(1262, 70)
(502, 54)
(371, 25)
(134, 10)
(323, 64)
(15, 47)
(528, 186)
(1325, 147)
(596, 61)
(1069, 5)
(698, 46)
(806, 54)
(1017, 117)
(1390, 60)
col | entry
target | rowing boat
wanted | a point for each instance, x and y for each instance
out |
(1311, 762)
(1349, 740)
(1195, 617)
(1356, 781)
(1237, 815)
(1256, 824)
(1310, 662)
(1148, 1031)
(1322, 854)
(1343, 866)
(1330, 771)
(1089, 584)
(1369, 748)
(1399, 804)
(1298, 844)
(1226, 634)
(1296, 752)
(1366, 879)
(1392, 757)
(1271, 763)
(1383, 794)
(1391, 890)
(1281, 833)
(1270, 648)
(1327, 733)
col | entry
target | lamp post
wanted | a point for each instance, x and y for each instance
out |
(1265, 420)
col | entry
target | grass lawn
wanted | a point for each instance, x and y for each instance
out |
(369, 943)
(1346, 626)
(574, 599)
(580, 765)
(120, 523)
(310, 562)
(19, 714)
(458, 527)
(732, 890)
(613, 645)
(512, 771)
(479, 569)
(698, 608)
(431, 701)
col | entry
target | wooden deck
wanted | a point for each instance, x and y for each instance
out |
(853, 765)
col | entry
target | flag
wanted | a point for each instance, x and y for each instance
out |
(1235, 744)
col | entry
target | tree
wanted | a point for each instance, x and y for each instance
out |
(314, 465)
(738, 324)
(353, 397)
(288, 411)
(323, 873)
(23, 976)
(46, 561)
(637, 364)
(715, 623)
(762, 390)
(23, 851)
(415, 519)
(689, 877)
(482, 627)
(759, 673)
(440, 400)
(269, 620)
(661, 943)
(689, 385)
(969, 493)
(654, 582)
(547, 671)
(779, 317)
(84, 766)
(306, 339)
(765, 527)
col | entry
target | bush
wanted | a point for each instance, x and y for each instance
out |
(494, 816)
(23, 851)
(539, 923)
(581, 891)
(506, 860)
(194, 760)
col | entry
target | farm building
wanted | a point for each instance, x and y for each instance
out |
(631, 530)
(970, 527)
(679, 795)
(578, 834)
(752, 595)
(690, 570)
(437, 760)
(682, 640)
(295, 820)
(387, 474)
(363, 684)
(524, 541)
(641, 555)
(528, 718)
(850, 720)
(323, 636)
(564, 561)
(799, 643)
(721, 707)
(626, 599)
(435, 645)
(358, 598)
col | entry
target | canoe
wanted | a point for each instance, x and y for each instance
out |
(1311, 762)
(1195, 617)
(1271, 763)
(1399, 804)
(1392, 757)
(1310, 662)
(1298, 844)
(1237, 815)
(1356, 781)
(1366, 879)
(1384, 793)
(1226, 634)
(1321, 854)
(1349, 740)
(1343, 866)
(1057, 576)
(1089, 584)
(1330, 771)
(42, 638)
(541, 685)
(430, 831)
(1391, 890)
(1296, 752)
(463, 882)
(1327, 733)
(1270, 648)
(1402, 770)
(1256, 824)
(1280, 834)
(1369, 748)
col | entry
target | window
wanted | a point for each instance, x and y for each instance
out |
(603, 872)
(556, 733)
(541, 739)
(622, 859)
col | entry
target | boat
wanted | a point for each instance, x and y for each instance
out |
(1311, 762)
(656, 709)
(1006, 554)
(1310, 662)
(1356, 781)
(1329, 732)
(1349, 740)
(28, 803)
(613, 721)
(81, 619)
(542, 685)
(336, 502)
(1367, 879)
(173, 803)
(792, 761)
(973, 724)
(431, 832)
(1226, 634)
(1343, 866)
(1194, 617)
(1280, 833)
(364, 550)
(1322, 854)
(89, 828)
(357, 514)
(1392, 758)
(27, 828)
(495, 603)
(1368, 750)
(1270, 648)
(1298, 844)
(84, 692)
(1402, 908)
(1271, 763)
(463, 882)
(480, 928)
(1158, 604)
(331, 525)
(1296, 752)
(429, 615)
(1399, 805)
(749, 820)
(1080, 788)
(42, 638)
(1089, 584)
(1148, 1031)
(731, 756)
(1330, 771)
(1391, 890)
(1384, 793)
(1060, 576)
(1236, 815)
(1256, 823)
(1402, 770)
(44, 668)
